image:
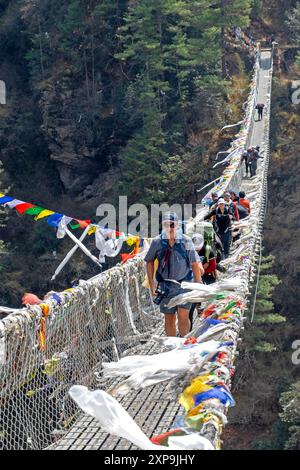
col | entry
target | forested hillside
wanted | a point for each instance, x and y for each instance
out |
(107, 98)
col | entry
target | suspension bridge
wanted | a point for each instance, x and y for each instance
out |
(112, 316)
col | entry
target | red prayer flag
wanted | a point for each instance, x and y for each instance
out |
(83, 223)
(21, 208)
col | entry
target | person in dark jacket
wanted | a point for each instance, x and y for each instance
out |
(213, 200)
(243, 201)
(232, 205)
(253, 159)
(260, 110)
(223, 223)
(245, 158)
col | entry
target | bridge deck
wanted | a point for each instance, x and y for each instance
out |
(150, 408)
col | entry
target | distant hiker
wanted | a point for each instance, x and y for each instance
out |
(223, 218)
(271, 39)
(207, 257)
(243, 212)
(177, 261)
(213, 199)
(230, 203)
(233, 196)
(245, 158)
(244, 202)
(209, 263)
(260, 109)
(253, 159)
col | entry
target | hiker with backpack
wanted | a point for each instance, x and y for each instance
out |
(232, 206)
(244, 202)
(209, 263)
(213, 199)
(260, 109)
(178, 261)
(207, 257)
(254, 157)
(245, 158)
(223, 222)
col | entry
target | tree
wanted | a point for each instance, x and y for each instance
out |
(142, 37)
(231, 14)
(293, 23)
(171, 53)
(290, 403)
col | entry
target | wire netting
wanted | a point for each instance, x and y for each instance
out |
(97, 321)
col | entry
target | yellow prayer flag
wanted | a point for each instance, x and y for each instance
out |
(132, 240)
(92, 230)
(43, 214)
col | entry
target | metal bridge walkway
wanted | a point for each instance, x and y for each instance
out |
(151, 408)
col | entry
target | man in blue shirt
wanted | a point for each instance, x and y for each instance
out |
(177, 261)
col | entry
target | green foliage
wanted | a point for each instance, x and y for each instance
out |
(290, 403)
(265, 347)
(272, 318)
(264, 444)
(72, 29)
(172, 52)
(267, 283)
(293, 442)
(235, 13)
(264, 305)
(256, 6)
(293, 23)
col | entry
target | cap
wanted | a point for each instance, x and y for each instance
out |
(198, 241)
(170, 217)
(221, 201)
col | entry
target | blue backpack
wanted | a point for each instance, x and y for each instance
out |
(164, 255)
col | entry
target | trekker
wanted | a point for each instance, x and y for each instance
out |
(244, 202)
(223, 223)
(209, 263)
(260, 109)
(213, 199)
(245, 158)
(253, 159)
(232, 205)
(207, 257)
(233, 196)
(177, 261)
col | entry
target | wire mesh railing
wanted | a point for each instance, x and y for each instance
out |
(48, 348)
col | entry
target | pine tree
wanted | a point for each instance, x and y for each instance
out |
(231, 14)
(72, 29)
(290, 403)
(264, 308)
(141, 37)
(171, 51)
(293, 23)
